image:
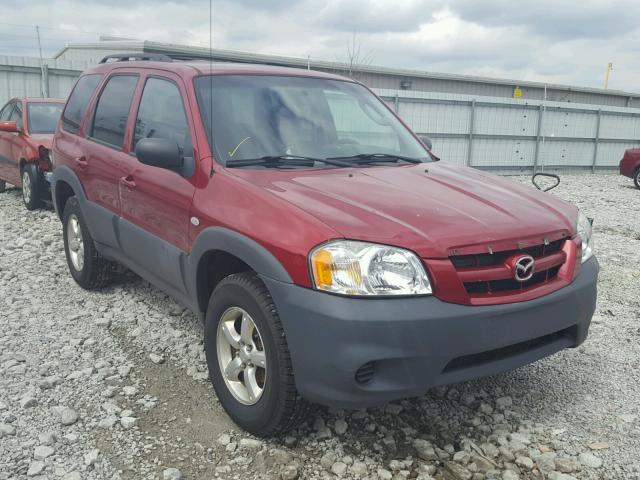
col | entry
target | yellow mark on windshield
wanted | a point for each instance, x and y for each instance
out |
(233, 152)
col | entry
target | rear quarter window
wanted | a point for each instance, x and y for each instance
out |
(78, 101)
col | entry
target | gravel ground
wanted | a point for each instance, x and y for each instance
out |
(113, 385)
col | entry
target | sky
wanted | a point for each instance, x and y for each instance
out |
(569, 42)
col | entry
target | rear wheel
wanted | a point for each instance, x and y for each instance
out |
(31, 187)
(3, 186)
(88, 268)
(248, 357)
(636, 178)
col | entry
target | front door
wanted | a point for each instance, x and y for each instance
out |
(156, 202)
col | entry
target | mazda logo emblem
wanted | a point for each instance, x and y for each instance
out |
(523, 268)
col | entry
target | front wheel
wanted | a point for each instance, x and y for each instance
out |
(3, 186)
(636, 178)
(248, 357)
(31, 187)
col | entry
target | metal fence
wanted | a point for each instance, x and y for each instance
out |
(513, 135)
(26, 77)
(502, 134)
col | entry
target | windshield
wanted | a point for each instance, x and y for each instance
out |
(264, 116)
(43, 117)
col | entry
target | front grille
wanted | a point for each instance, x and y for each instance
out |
(488, 273)
(489, 259)
(509, 284)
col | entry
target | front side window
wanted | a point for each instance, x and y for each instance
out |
(255, 116)
(78, 101)
(112, 110)
(162, 115)
(43, 117)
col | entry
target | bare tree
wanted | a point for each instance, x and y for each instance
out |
(356, 56)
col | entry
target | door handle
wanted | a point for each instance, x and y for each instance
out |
(81, 161)
(128, 182)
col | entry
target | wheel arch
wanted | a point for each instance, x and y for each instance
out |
(219, 252)
(64, 185)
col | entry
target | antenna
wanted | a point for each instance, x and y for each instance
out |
(211, 82)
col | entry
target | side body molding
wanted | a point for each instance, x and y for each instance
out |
(105, 227)
(225, 240)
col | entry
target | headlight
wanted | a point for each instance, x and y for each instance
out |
(367, 269)
(585, 230)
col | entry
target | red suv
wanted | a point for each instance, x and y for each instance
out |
(26, 132)
(630, 165)
(330, 255)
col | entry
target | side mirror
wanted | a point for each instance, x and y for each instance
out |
(427, 141)
(160, 152)
(11, 127)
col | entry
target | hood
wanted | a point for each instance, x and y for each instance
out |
(434, 209)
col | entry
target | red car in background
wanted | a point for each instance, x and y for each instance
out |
(26, 132)
(630, 165)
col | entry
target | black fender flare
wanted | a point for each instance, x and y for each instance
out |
(229, 241)
(65, 174)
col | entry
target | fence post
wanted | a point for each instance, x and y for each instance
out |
(396, 104)
(597, 139)
(536, 155)
(472, 128)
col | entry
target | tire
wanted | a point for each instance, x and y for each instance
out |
(88, 268)
(636, 178)
(3, 186)
(31, 187)
(278, 407)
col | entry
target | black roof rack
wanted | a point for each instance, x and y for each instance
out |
(128, 57)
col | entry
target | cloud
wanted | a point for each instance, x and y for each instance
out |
(568, 41)
(376, 16)
(552, 18)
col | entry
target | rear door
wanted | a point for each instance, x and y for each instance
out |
(106, 132)
(156, 202)
(5, 142)
(14, 143)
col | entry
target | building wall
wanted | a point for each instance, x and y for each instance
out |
(23, 76)
(490, 131)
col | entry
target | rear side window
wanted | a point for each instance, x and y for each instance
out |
(112, 111)
(161, 115)
(77, 104)
(43, 117)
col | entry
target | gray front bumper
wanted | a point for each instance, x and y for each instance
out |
(418, 343)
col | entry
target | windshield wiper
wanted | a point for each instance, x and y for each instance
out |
(364, 158)
(293, 160)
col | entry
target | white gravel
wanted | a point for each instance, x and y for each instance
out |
(113, 385)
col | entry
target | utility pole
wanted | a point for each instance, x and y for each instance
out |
(43, 81)
(606, 75)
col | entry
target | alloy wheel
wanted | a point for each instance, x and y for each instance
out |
(26, 187)
(76, 243)
(241, 356)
